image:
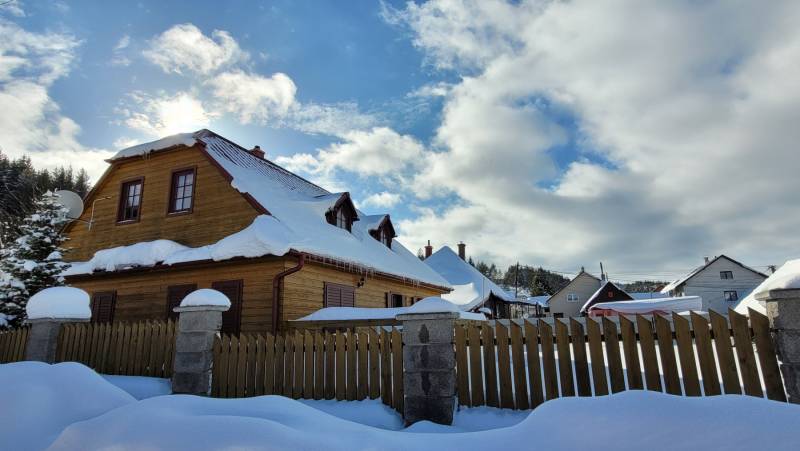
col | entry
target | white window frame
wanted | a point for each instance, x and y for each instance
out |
(572, 297)
(729, 299)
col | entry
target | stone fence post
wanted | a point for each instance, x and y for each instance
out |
(198, 326)
(783, 310)
(47, 311)
(429, 367)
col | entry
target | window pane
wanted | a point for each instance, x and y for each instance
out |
(189, 178)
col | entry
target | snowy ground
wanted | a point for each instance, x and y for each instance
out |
(69, 407)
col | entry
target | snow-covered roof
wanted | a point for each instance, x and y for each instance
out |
(594, 295)
(674, 304)
(648, 295)
(540, 300)
(678, 282)
(295, 219)
(787, 276)
(470, 287)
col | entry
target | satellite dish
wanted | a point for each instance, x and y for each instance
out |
(71, 202)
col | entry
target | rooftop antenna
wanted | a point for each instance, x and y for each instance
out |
(602, 274)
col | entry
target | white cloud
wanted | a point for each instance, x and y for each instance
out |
(118, 58)
(252, 97)
(185, 48)
(163, 114)
(691, 105)
(380, 151)
(337, 119)
(32, 123)
(14, 7)
(383, 199)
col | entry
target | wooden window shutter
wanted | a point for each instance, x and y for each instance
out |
(231, 320)
(337, 295)
(175, 294)
(103, 305)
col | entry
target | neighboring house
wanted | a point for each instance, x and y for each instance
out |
(721, 282)
(608, 292)
(568, 301)
(472, 290)
(196, 210)
(787, 276)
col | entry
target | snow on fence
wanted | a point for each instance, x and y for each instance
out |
(12, 345)
(531, 362)
(351, 364)
(144, 348)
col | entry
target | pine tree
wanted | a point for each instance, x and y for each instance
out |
(33, 261)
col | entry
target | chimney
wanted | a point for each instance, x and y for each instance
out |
(462, 250)
(257, 152)
(428, 249)
(706, 260)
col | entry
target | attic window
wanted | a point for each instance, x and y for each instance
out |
(726, 274)
(130, 201)
(342, 214)
(384, 232)
(182, 191)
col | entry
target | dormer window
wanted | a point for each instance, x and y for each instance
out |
(342, 213)
(383, 231)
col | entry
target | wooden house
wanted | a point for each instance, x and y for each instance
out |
(608, 292)
(568, 301)
(196, 210)
(721, 282)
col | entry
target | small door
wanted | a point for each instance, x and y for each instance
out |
(175, 294)
(103, 305)
(231, 320)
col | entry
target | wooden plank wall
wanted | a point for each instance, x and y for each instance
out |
(530, 361)
(352, 364)
(144, 348)
(12, 345)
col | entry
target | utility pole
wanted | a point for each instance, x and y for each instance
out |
(602, 274)
(516, 282)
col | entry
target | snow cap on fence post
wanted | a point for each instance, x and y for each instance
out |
(47, 310)
(429, 361)
(783, 310)
(199, 322)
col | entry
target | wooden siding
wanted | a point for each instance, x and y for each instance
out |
(304, 291)
(584, 286)
(708, 285)
(142, 295)
(218, 210)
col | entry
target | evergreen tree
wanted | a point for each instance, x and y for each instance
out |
(33, 261)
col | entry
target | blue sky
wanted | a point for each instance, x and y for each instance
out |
(637, 133)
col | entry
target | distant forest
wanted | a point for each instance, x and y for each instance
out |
(21, 184)
(537, 281)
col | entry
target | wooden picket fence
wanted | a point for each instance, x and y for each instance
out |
(144, 348)
(352, 364)
(519, 364)
(12, 344)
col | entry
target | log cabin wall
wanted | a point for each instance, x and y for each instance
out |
(218, 209)
(142, 295)
(303, 292)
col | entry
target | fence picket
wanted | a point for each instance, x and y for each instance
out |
(270, 363)
(652, 374)
(683, 337)
(461, 366)
(548, 361)
(745, 354)
(611, 337)
(475, 365)
(330, 366)
(504, 366)
(259, 364)
(518, 360)
(630, 351)
(374, 365)
(722, 343)
(489, 366)
(386, 369)
(766, 356)
(351, 340)
(397, 369)
(341, 375)
(319, 365)
(534, 365)
(705, 355)
(564, 359)
(233, 367)
(308, 370)
(250, 379)
(288, 366)
(666, 351)
(225, 348)
(298, 373)
(581, 363)
(599, 379)
(363, 365)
